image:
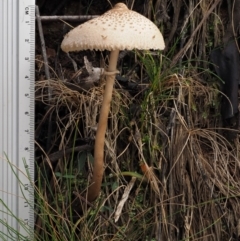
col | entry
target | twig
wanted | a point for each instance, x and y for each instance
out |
(59, 7)
(46, 66)
(59, 154)
(73, 62)
(176, 6)
(183, 37)
(124, 198)
(44, 53)
(71, 18)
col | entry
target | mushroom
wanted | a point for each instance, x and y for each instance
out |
(117, 29)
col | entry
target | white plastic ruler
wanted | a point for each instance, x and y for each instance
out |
(17, 61)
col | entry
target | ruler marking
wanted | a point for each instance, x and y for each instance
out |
(17, 62)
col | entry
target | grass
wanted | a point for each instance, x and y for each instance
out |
(187, 187)
(164, 137)
(24, 203)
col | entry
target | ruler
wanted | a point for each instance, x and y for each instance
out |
(17, 61)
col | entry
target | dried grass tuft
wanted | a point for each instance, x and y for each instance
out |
(192, 171)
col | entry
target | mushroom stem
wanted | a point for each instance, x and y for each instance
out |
(98, 166)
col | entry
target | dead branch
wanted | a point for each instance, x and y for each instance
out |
(78, 18)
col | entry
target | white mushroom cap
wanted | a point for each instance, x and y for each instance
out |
(117, 29)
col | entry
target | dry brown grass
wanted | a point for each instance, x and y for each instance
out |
(168, 136)
(192, 186)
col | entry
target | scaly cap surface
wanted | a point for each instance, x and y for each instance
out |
(117, 29)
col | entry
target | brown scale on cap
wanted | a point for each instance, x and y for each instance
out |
(117, 25)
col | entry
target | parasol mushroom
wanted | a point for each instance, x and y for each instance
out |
(117, 29)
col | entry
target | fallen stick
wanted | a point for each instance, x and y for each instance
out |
(78, 18)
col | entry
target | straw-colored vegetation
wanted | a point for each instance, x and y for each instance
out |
(164, 139)
(171, 134)
(166, 155)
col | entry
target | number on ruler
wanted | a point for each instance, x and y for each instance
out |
(27, 10)
(26, 221)
(25, 204)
